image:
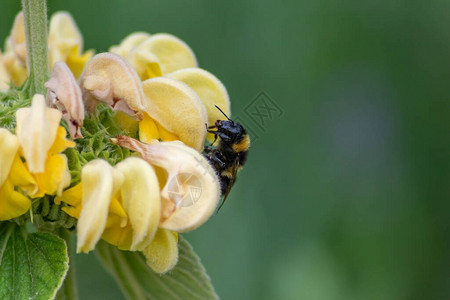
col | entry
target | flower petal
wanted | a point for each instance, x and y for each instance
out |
(63, 36)
(4, 75)
(140, 199)
(110, 79)
(162, 253)
(20, 176)
(9, 145)
(16, 41)
(64, 93)
(168, 51)
(129, 42)
(72, 197)
(12, 203)
(191, 192)
(36, 129)
(177, 108)
(98, 179)
(210, 90)
(55, 178)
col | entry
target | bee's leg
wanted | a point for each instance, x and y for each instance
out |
(218, 160)
(215, 139)
(220, 134)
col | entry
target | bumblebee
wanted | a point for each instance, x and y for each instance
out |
(230, 155)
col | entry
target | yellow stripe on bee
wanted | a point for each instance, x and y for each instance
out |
(243, 145)
(227, 173)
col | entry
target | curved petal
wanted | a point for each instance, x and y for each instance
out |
(168, 51)
(64, 93)
(55, 178)
(36, 129)
(16, 41)
(192, 189)
(210, 90)
(140, 199)
(177, 108)
(12, 203)
(20, 176)
(98, 179)
(162, 253)
(110, 79)
(129, 42)
(9, 145)
(63, 36)
(4, 75)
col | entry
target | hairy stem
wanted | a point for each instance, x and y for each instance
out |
(35, 12)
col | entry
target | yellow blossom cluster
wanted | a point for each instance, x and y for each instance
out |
(32, 164)
(159, 94)
(64, 41)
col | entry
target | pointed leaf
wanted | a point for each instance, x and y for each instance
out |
(32, 266)
(188, 280)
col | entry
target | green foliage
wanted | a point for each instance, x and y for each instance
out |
(32, 266)
(188, 280)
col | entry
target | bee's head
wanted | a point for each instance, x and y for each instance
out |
(232, 131)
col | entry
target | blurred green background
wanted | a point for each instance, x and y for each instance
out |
(346, 191)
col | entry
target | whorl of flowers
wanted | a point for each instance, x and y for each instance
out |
(104, 150)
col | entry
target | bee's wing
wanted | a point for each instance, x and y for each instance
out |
(234, 170)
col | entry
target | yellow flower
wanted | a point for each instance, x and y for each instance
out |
(41, 141)
(140, 204)
(13, 174)
(64, 94)
(128, 204)
(155, 55)
(166, 55)
(121, 204)
(14, 58)
(65, 45)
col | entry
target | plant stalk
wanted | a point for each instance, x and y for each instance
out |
(35, 13)
(68, 290)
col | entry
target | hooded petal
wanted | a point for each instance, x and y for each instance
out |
(98, 179)
(210, 90)
(162, 253)
(177, 108)
(129, 42)
(140, 199)
(36, 129)
(64, 93)
(168, 51)
(191, 192)
(110, 79)
(63, 36)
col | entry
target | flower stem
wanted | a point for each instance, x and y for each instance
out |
(68, 290)
(35, 12)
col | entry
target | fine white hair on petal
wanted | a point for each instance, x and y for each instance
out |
(99, 181)
(64, 93)
(181, 163)
(110, 79)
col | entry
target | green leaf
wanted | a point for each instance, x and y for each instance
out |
(188, 280)
(32, 266)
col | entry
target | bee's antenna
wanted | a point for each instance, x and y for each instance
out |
(223, 113)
